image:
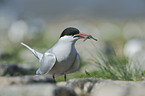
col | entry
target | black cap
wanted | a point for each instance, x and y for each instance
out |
(70, 31)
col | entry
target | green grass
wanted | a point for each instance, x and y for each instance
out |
(115, 68)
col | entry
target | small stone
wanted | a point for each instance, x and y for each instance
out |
(118, 88)
(80, 82)
(16, 69)
(88, 87)
(20, 80)
(28, 90)
(64, 91)
(61, 84)
(78, 91)
(82, 86)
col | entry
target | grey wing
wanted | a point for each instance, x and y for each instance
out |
(47, 62)
(75, 66)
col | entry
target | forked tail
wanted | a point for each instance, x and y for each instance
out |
(37, 54)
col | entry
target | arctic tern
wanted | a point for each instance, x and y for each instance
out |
(63, 57)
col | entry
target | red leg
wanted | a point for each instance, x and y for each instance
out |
(53, 76)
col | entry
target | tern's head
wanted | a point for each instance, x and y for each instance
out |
(72, 34)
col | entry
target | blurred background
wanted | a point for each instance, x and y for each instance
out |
(119, 26)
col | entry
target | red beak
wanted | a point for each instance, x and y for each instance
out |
(81, 35)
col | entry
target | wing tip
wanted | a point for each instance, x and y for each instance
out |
(38, 72)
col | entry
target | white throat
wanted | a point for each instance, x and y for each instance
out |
(67, 40)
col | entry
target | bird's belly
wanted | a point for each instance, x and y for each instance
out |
(64, 63)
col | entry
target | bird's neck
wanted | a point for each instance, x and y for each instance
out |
(66, 41)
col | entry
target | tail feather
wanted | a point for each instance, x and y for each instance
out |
(37, 54)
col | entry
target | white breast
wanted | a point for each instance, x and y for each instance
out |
(65, 55)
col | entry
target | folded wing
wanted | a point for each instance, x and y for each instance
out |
(47, 62)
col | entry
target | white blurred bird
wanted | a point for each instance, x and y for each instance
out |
(62, 58)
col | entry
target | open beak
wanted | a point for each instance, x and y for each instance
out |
(81, 35)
